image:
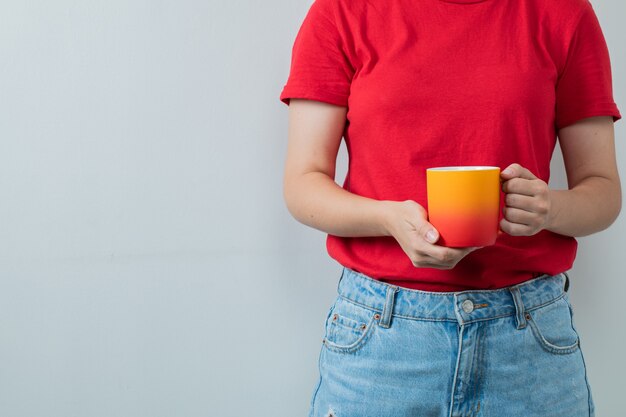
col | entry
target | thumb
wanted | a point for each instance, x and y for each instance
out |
(430, 233)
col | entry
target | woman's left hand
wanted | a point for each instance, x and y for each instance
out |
(527, 202)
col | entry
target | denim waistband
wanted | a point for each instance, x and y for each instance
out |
(462, 306)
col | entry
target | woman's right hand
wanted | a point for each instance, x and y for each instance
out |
(407, 222)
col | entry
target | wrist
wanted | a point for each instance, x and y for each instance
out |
(386, 208)
(553, 210)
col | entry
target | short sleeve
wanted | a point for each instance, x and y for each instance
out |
(584, 87)
(320, 69)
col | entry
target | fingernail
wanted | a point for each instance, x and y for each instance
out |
(431, 236)
(507, 172)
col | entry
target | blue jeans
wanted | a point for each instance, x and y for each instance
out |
(390, 351)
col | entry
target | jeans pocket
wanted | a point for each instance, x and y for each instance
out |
(349, 326)
(553, 328)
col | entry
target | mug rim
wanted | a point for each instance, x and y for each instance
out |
(463, 168)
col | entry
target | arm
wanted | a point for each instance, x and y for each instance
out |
(310, 192)
(313, 198)
(593, 200)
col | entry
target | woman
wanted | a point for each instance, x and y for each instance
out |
(420, 329)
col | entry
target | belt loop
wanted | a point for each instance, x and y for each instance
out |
(385, 320)
(519, 307)
(566, 282)
(342, 274)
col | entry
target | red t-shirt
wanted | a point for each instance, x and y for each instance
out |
(451, 82)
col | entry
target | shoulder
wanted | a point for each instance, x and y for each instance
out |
(555, 20)
(562, 5)
(566, 12)
(355, 7)
(339, 7)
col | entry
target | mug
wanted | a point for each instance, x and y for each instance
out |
(464, 204)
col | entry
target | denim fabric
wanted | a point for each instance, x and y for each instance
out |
(395, 352)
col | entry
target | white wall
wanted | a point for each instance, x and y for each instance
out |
(148, 265)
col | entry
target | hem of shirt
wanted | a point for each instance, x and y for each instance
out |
(325, 96)
(601, 110)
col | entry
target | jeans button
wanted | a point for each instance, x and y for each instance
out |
(468, 306)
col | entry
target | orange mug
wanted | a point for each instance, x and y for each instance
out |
(464, 204)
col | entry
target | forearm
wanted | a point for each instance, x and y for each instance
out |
(591, 206)
(318, 201)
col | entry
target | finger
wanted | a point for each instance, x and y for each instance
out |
(514, 229)
(446, 259)
(520, 186)
(515, 215)
(443, 254)
(427, 265)
(517, 171)
(468, 249)
(434, 263)
(519, 201)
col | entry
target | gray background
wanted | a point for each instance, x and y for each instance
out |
(148, 265)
